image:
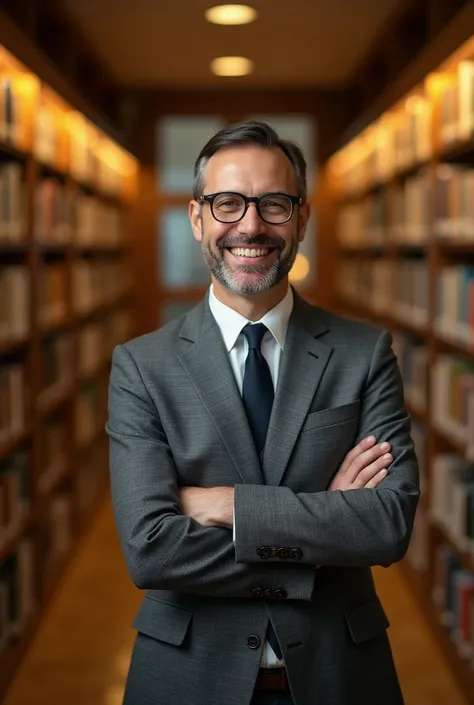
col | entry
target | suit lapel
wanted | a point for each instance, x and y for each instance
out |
(303, 362)
(207, 364)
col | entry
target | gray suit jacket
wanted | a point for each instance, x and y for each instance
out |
(176, 418)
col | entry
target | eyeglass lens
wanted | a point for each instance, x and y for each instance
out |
(229, 207)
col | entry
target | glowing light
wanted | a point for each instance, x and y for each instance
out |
(300, 269)
(231, 14)
(231, 66)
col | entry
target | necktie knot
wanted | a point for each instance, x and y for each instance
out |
(254, 333)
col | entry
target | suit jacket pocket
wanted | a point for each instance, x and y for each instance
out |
(331, 417)
(162, 621)
(366, 621)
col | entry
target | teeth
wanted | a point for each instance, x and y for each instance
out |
(247, 252)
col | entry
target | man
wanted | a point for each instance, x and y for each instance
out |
(251, 484)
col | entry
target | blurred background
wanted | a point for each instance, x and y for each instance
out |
(104, 107)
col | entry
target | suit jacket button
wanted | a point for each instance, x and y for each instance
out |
(253, 641)
(268, 594)
(280, 593)
(296, 554)
(257, 592)
(283, 553)
(264, 552)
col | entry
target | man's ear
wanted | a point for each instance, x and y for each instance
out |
(304, 213)
(195, 217)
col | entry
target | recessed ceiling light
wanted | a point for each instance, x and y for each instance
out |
(232, 66)
(231, 14)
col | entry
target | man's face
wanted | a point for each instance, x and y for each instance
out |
(251, 171)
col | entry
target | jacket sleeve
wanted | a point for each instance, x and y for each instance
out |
(352, 528)
(164, 549)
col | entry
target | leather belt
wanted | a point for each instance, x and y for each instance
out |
(272, 679)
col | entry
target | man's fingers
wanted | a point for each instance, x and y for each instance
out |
(367, 474)
(365, 459)
(360, 448)
(376, 480)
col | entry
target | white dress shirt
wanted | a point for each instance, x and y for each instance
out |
(231, 324)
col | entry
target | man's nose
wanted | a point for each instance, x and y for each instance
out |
(251, 223)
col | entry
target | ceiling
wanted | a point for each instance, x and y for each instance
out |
(153, 43)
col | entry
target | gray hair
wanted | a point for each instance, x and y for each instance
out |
(250, 132)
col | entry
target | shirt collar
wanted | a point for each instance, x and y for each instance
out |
(231, 322)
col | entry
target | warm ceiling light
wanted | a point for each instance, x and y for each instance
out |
(231, 14)
(231, 66)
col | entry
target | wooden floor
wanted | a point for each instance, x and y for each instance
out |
(81, 652)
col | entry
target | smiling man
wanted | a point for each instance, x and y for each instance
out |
(261, 464)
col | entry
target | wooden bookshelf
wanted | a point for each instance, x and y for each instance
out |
(403, 218)
(67, 191)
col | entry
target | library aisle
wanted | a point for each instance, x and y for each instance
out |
(81, 652)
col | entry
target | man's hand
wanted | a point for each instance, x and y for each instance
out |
(363, 466)
(210, 506)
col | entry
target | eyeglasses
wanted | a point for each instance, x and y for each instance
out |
(230, 207)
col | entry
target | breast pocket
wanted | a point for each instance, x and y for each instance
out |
(331, 417)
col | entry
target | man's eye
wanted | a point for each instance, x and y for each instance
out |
(228, 204)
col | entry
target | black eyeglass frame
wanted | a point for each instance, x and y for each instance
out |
(209, 198)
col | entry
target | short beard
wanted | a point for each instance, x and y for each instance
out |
(270, 277)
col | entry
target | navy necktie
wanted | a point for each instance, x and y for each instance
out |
(257, 396)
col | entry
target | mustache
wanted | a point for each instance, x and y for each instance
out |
(241, 241)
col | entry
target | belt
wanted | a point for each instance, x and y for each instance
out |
(272, 679)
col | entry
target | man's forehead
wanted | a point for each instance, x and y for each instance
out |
(250, 161)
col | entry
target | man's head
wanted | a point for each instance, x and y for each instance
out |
(250, 247)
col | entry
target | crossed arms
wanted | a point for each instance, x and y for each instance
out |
(351, 524)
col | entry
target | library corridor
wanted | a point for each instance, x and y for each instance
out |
(81, 652)
(307, 167)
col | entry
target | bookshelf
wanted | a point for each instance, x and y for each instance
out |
(402, 194)
(66, 190)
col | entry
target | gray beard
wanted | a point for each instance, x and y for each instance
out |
(270, 277)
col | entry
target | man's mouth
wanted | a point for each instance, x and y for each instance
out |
(251, 252)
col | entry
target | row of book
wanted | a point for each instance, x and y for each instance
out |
(52, 289)
(12, 401)
(62, 217)
(453, 595)
(15, 495)
(14, 303)
(389, 146)
(413, 361)
(96, 283)
(457, 101)
(407, 213)
(13, 216)
(400, 290)
(454, 203)
(406, 136)
(400, 215)
(455, 305)
(97, 223)
(452, 384)
(452, 499)
(57, 369)
(61, 137)
(17, 593)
